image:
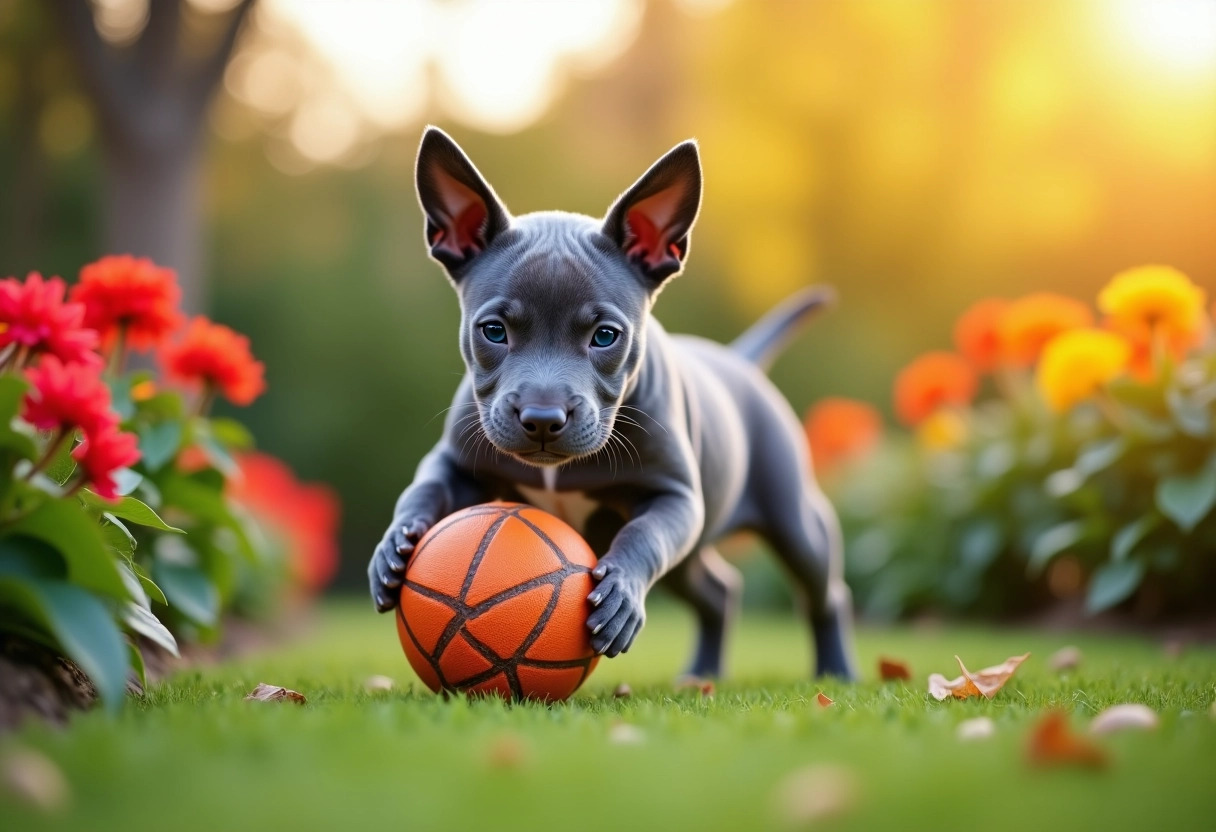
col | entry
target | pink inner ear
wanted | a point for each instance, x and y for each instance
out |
(650, 228)
(464, 226)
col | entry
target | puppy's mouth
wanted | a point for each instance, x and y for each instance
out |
(542, 456)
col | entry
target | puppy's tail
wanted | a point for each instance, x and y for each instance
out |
(765, 339)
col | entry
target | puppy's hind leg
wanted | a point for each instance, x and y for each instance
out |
(801, 526)
(712, 587)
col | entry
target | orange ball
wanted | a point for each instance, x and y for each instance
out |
(495, 601)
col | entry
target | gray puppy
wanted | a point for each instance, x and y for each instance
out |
(653, 446)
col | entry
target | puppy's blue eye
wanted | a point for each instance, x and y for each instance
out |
(605, 336)
(495, 332)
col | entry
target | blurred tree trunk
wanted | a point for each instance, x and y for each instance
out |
(151, 100)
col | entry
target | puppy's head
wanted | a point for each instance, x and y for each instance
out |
(554, 305)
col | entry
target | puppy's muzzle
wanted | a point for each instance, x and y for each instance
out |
(543, 423)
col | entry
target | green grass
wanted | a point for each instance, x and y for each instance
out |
(193, 755)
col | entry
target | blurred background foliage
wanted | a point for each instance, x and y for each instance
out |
(916, 155)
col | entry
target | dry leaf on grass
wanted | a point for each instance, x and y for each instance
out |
(705, 687)
(1066, 658)
(622, 733)
(507, 751)
(815, 792)
(980, 728)
(890, 670)
(376, 684)
(623, 691)
(823, 700)
(273, 693)
(1053, 743)
(34, 779)
(984, 683)
(1122, 717)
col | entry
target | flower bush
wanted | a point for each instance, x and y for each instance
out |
(126, 514)
(1081, 465)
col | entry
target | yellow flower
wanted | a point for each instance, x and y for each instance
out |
(1148, 299)
(1076, 363)
(944, 430)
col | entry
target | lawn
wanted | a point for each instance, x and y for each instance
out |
(193, 755)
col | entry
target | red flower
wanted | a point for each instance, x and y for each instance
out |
(933, 381)
(840, 430)
(215, 356)
(33, 315)
(65, 397)
(977, 333)
(304, 515)
(134, 296)
(101, 454)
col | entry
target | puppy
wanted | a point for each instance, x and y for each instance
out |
(576, 400)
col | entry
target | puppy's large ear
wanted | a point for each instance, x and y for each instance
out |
(463, 214)
(652, 221)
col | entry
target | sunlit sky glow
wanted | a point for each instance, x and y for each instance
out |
(497, 65)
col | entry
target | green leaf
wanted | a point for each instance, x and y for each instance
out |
(137, 664)
(25, 557)
(1187, 498)
(126, 481)
(148, 625)
(120, 396)
(12, 388)
(129, 508)
(117, 536)
(188, 591)
(1192, 418)
(154, 592)
(67, 528)
(62, 465)
(1114, 582)
(1054, 541)
(232, 434)
(134, 586)
(980, 543)
(1100, 454)
(80, 623)
(159, 443)
(1131, 535)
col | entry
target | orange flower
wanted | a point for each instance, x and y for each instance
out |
(128, 295)
(217, 358)
(303, 515)
(1030, 322)
(977, 333)
(931, 382)
(840, 430)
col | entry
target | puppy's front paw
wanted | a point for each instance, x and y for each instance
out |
(620, 609)
(387, 568)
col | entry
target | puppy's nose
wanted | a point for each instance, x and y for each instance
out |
(542, 423)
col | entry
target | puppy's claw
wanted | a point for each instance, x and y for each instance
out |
(599, 571)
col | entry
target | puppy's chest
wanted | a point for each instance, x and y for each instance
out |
(574, 507)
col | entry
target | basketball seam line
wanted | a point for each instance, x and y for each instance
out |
(431, 660)
(456, 623)
(441, 527)
(548, 541)
(539, 627)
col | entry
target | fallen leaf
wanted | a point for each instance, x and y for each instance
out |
(823, 700)
(984, 683)
(622, 733)
(273, 693)
(375, 684)
(1122, 717)
(34, 779)
(980, 728)
(1066, 658)
(623, 691)
(705, 687)
(890, 670)
(814, 793)
(507, 751)
(1053, 743)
